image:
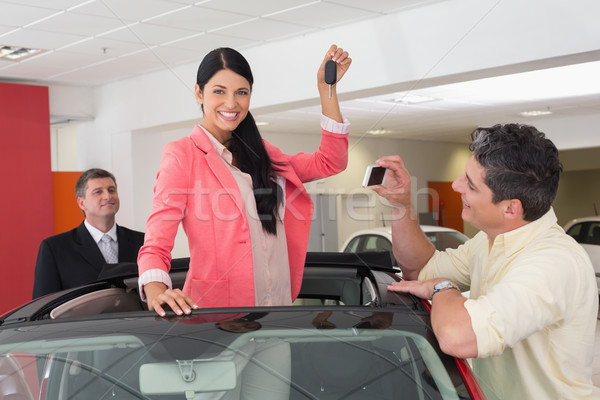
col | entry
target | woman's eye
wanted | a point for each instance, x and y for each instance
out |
(243, 93)
(218, 91)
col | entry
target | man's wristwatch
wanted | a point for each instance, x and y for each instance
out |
(443, 285)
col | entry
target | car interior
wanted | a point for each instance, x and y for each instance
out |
(348, 281)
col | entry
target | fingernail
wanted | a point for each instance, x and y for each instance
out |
(179, 312)
(162, 313)
(187, 311)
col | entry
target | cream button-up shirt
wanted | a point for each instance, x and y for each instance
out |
(533, 306)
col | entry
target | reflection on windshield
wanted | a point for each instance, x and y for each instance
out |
(336, 355)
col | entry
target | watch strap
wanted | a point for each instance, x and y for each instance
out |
(443, 285)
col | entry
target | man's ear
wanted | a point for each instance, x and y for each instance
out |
(198, 94)
(81, 204)
(513, 209)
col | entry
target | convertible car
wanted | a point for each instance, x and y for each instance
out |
(345, 337)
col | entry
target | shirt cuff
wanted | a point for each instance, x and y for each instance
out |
(331, 125)
(153, 275)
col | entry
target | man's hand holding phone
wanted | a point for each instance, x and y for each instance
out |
(374, 176)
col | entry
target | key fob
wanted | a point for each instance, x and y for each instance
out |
(330, 72)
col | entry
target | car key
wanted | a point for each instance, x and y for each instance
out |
(330, 74)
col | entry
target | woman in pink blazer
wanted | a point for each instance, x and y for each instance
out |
(241, 200)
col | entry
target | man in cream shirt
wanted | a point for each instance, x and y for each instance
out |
(530, 320)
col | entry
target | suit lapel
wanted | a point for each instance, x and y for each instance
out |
(88, 248)
(218, 167)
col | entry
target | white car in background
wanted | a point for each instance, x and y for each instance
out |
(381, 239)
(587, 233)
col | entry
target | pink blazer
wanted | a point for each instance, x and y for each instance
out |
(195, 188)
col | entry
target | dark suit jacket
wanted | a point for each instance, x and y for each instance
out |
(72, 258)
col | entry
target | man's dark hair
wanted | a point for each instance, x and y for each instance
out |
(520, 163)
(93, 173)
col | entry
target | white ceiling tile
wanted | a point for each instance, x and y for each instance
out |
(202, 44)
(39, 39)
(128, 10)
(264, 29)
(257, 8)
(78, 24)
(107, 47)
(53, 4)
(149, 34)
(384, 6)
(322, 15)
(171, 56)
(64, 60)
(27, 71)
(117, 69)
(198, 19)
(19, 15)
(5, 29)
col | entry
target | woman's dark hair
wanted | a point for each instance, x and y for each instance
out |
(520, 163)
(246, 143)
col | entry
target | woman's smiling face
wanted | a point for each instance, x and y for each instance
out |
(225, 101)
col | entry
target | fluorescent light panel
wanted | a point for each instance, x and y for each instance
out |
(17, 53)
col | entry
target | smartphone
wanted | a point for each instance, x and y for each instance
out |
(374, 176)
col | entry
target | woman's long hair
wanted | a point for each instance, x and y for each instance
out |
(246, 143)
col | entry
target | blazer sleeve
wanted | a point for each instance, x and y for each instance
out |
(46, 277)
(169, 206)
(331, 157)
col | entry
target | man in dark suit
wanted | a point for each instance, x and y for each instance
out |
(76, 257)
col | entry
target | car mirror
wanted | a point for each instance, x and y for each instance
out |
(187, 377)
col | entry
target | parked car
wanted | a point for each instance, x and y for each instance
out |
(587, 233)
(381, 239)
(345, 337)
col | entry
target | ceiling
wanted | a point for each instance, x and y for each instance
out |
(95, 42)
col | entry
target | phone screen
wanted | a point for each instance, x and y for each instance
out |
(374, 176)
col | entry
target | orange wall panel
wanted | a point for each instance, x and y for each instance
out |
(67, 214)
(449, 206)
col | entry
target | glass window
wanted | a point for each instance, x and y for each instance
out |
(575, 231)
(446, 240)
(376, 242)
(593, 233)
(352, 246)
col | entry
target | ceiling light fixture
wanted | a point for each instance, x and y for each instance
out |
(16, 53)
(534, 113)
(378, 131)
(413, 99)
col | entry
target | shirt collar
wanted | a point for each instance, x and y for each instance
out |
(221, 150)
(97, 233)
(517, 239)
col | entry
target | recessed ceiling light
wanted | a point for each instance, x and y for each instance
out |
(13, 53)
(413, 99)
(534, 113)
(261, 123)
(378, 131)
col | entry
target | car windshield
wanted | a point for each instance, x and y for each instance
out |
(304, 353)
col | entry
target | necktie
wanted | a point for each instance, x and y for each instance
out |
(108, 249)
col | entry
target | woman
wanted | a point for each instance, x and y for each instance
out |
(241, 200)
